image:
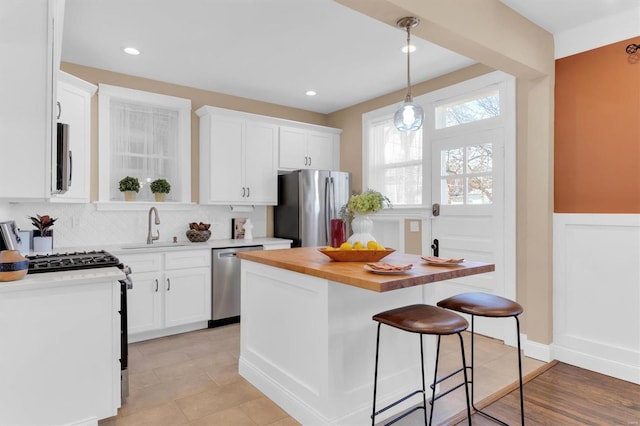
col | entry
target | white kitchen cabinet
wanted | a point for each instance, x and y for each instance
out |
(60, 352)
(238, 158)
(171, 292)
(31, 34)
(304, 148)
(74, 109)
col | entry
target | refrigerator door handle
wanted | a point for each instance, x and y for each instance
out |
(327, 208)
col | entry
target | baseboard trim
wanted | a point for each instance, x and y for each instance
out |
(626, 372)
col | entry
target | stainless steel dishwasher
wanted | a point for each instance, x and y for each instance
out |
(225, 285)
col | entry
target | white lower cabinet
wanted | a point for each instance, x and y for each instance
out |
(171, 293)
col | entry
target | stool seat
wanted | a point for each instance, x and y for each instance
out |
(423, 319)
(482, 304)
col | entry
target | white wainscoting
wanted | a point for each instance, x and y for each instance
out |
(596, 293)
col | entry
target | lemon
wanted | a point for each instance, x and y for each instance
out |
(329, 248)
(372, 245)
(358, 245)
(345, 247)
(380, 247)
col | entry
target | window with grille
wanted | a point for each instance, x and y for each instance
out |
(146, 136)
(395, 162)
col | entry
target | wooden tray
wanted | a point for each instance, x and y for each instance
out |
(357, 255)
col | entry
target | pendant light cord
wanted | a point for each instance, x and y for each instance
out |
(408, 97)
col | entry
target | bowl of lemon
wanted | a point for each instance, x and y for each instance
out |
(358, 252)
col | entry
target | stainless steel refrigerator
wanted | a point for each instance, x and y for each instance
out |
(307, 201)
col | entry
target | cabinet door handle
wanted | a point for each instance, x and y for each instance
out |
(309, 161)
(168, 284)
(70, 167)
(248, 192)
(59, 110)
(156, 285)
(244, 191)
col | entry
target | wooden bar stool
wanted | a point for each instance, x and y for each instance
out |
(423, 319)
(492, 306)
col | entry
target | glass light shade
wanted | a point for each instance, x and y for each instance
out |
(408, 117)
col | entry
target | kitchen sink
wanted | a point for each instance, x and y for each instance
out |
(154, 245)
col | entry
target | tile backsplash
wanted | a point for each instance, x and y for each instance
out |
(83, 225)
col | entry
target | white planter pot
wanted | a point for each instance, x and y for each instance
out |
(42, 244)
(362, 226)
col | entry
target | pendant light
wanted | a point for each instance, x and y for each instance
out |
(409, 115)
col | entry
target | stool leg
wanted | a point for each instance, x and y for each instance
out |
(472, 360)
(479, 411)
(424, 388)
(375, 378)
(466, 381)
(435, 381)
(520, 371)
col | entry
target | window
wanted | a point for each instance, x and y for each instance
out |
(395, 162)
(450, 150)
(147, 136)
(466, 175)
(468, 109)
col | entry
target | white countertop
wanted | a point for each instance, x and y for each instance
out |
(131, 248)
(62, 279)
(86, 276)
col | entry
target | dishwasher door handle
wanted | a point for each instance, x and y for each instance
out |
(227, 254)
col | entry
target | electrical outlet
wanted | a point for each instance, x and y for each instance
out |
(414, 226)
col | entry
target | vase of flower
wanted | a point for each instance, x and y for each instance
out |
(358, 210)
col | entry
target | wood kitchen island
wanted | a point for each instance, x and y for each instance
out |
(308, 340)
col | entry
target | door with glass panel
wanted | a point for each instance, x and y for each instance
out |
(467, 141)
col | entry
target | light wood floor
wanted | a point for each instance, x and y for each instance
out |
(192, 379)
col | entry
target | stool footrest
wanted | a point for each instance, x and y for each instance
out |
(405, 414)
(489, 416)
(448, 376)
(440, 395)
(393, 404)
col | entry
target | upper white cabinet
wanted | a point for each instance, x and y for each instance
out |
(74, 109)
(31, 35)
(309, 148)
(238, 158)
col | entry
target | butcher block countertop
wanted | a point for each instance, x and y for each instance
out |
(309, 261)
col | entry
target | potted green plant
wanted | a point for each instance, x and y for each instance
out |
(43, 235)
(160, 189)
(130, 186)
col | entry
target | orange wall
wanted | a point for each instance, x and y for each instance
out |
(597, 132)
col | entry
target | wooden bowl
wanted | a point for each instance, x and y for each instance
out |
(357, 255)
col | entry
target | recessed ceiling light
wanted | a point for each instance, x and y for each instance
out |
(412, 48)
(311, 93)
(131, 51)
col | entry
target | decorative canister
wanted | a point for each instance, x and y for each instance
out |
(13, 265)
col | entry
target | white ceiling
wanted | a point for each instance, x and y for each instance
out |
(276, 50)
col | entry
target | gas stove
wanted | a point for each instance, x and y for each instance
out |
(71, 261)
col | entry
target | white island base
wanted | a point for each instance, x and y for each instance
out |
(308, 344)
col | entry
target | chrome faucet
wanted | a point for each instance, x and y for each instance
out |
(151, 238)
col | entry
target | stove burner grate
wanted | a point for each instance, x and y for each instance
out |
(71, 261)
